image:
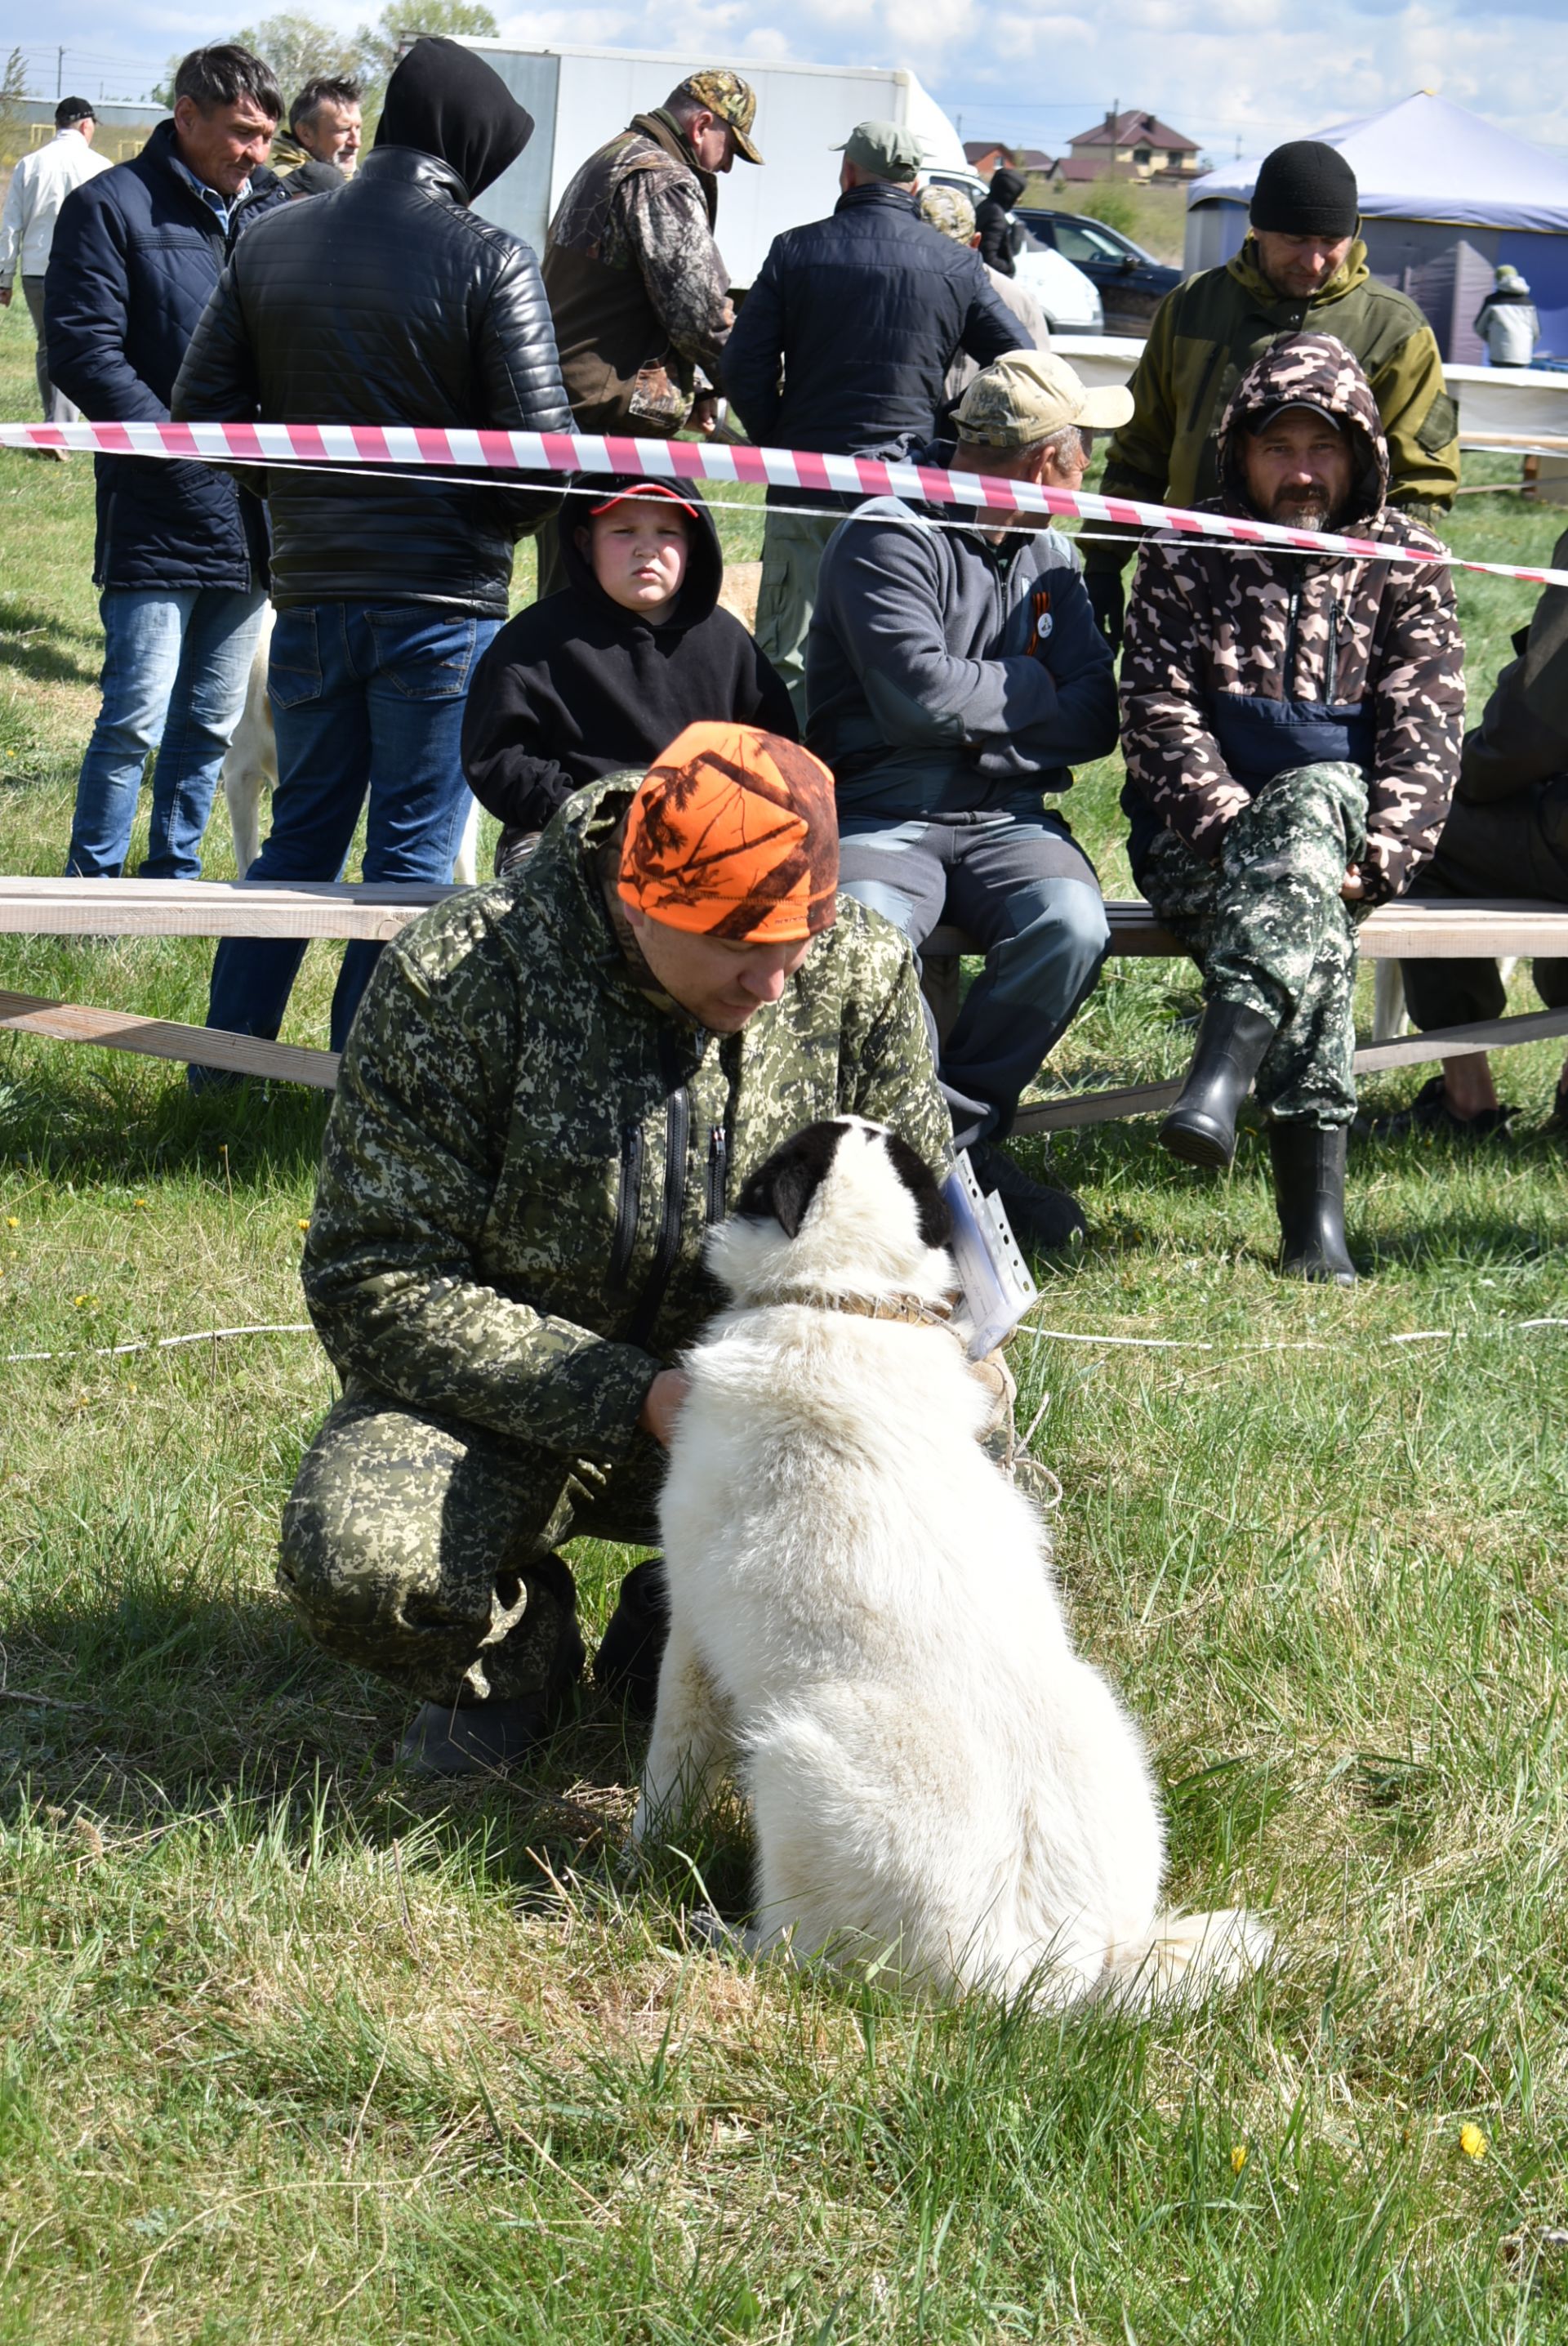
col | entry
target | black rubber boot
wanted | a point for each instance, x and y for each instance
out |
(1310, 1191)
(1232, 1045)
(1041, 1219)
(632, 1647)
(480, 1739)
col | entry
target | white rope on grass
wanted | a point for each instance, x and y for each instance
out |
(168, 1343)
(1296, 1344)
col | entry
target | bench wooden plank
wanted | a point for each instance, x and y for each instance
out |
(214, 908)
(1402, 932)
(1409, 1051)
(162, 1039)
(378, 911)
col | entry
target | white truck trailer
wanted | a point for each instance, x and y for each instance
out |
(578, 97)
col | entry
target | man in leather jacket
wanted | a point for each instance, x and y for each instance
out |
(387, 301)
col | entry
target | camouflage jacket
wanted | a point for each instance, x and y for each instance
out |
(1207, 334)
(528, 1143)
(1239, 664)
(638, 291)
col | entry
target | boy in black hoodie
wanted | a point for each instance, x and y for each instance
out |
(600, 678)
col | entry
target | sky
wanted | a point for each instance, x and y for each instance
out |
(1228, 74)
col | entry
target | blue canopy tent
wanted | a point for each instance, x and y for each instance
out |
(1445, 197)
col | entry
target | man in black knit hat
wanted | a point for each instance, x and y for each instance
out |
(1302, 269)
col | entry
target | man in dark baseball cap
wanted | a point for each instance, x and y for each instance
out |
(1302, 269)
(639, 289)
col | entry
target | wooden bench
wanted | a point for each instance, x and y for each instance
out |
(206, 908)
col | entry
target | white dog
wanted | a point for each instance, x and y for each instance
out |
(250, 771)
(862, 1618)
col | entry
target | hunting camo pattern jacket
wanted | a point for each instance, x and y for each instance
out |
(1239, 663)
(529, 1143)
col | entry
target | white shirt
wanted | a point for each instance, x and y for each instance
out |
(39, 185)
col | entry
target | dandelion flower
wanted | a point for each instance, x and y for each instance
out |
(81, 1300)
(11, 1222)
(304, 1224)
(1471, 2140)
(138, 1201)
(1237, 2157)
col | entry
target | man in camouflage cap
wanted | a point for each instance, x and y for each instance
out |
(554, 1086)
(1291, 727)
(954, 677)
(638, 287)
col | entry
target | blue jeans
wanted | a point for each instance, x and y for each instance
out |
(1017, 880)
(367, 697)
(174, 672)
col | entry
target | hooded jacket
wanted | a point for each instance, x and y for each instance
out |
(638, 287)
(1211, 329)
(1242, 662)
(388, 302)
(135, 257)
(576, 687)
(996, 231)
(946, 675)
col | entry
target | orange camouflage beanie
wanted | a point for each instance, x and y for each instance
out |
(734, 834)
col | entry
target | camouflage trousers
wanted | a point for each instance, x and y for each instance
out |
(1268, 928)
(422, 1548)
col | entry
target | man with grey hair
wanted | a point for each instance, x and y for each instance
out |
(322, 145)
(954, 676)
(951, 213)
(844, 344)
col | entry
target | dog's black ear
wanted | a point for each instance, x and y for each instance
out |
(783, 1186)
(931, 1215)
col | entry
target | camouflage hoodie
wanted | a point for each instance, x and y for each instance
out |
(1241, 663)
(529, 1142)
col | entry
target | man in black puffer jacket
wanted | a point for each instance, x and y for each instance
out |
(385, 303)
(861, 314)
(182, 556)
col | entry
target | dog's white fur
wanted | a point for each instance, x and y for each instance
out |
(863, 1620)
(250, 772)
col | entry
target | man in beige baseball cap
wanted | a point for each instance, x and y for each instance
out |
(954, 677)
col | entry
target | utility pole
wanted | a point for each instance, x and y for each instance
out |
(59, 75)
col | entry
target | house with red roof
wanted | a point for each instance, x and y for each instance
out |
(1130, 145)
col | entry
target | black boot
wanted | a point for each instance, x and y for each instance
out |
(632, 1647)
(1232, 1045)
(1310, 1191)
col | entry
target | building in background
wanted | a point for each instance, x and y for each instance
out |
(1131, 144)
(124, 127)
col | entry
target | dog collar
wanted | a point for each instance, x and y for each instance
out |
(912, 1310)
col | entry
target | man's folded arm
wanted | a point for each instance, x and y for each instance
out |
(408, 1173)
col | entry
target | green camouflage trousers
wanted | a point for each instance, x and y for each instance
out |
(423, 1548)
(1268, 928)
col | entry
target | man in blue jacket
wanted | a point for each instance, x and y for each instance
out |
(843, 343)
(181, 554)
(954, 676)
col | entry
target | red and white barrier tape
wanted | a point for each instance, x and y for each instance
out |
(336, 445)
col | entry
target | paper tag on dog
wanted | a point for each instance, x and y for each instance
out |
(997, 1287)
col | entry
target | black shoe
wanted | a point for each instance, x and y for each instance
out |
(1557, 1121)
(1042, 1219)
(632, 1647)
(1428, 1114)
(1232, 1045)
(480, 1739)
(1309, 1192)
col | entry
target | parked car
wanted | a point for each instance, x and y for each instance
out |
(1070, 299)
(1132, 283)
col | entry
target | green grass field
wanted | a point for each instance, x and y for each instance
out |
(292, 2049)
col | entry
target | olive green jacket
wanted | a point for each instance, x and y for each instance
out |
(530, 1141)
(1208, 332)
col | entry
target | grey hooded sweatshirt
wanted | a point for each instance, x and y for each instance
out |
(946, 675)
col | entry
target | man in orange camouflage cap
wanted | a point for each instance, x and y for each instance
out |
(554, 1085)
